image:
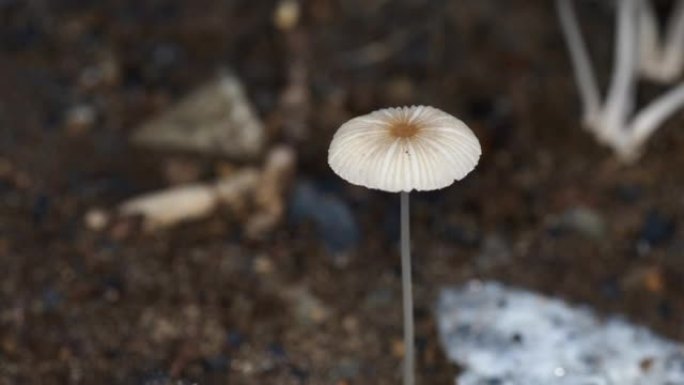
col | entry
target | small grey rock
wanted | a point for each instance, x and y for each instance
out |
(215, 119)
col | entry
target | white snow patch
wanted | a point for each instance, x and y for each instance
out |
(508, 336)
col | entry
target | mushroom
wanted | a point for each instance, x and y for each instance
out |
(400, 150)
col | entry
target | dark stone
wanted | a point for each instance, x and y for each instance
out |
(610, 289)
(629, 193)
(665, 309)
(657, 229)
(277, 351)
(41, 208)
(235, 339)
(300, 374)
(217, 363)
(332, 217)
(51, 299)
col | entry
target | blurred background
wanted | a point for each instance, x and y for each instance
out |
(254, 263)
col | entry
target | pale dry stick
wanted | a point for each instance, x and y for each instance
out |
(178, 204)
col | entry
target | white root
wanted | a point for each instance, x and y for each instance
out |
(638, 50)
(584, 73)
(661, 61)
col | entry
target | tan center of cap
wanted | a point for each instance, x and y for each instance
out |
(403, 129)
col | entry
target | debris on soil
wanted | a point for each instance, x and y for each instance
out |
(286, 15)
(269, 195)
(581, 220)
(495, 251)
(262, 191)
(79, 119)
(650, 278)
(503, 335)
(216, 119)
(96, 219)
(233, 190)
(308, 308)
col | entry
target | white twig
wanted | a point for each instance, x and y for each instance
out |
(653, 115)
(650, 49)
(637, 48)
(661, 60)
(584, 74)
(673, 49)
(620, 98)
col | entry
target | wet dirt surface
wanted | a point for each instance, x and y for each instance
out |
(547, 209)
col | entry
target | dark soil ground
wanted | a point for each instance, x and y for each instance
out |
(199, 304)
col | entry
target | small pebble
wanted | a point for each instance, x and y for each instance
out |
(347, 369)
(96, 219)
(41, 208)
(307, 308)
(234, 339)
(398, 348)
(263, 264)
(582, 220)
(629, 193)
(656, 230)
(286, 15)
(332, 217)
(379, 297)
(217, 363)
(80, 119)
(645, 277)
(495, 251)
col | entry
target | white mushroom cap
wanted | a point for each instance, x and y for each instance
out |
(404, 149)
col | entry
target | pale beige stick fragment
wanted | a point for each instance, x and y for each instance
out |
(189, 202)
(169, 207)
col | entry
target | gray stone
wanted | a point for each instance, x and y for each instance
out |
(215, 119)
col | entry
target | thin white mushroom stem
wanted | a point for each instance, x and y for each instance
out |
(407, 291)
(620, 97)
(652, 116)
(581, 65)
